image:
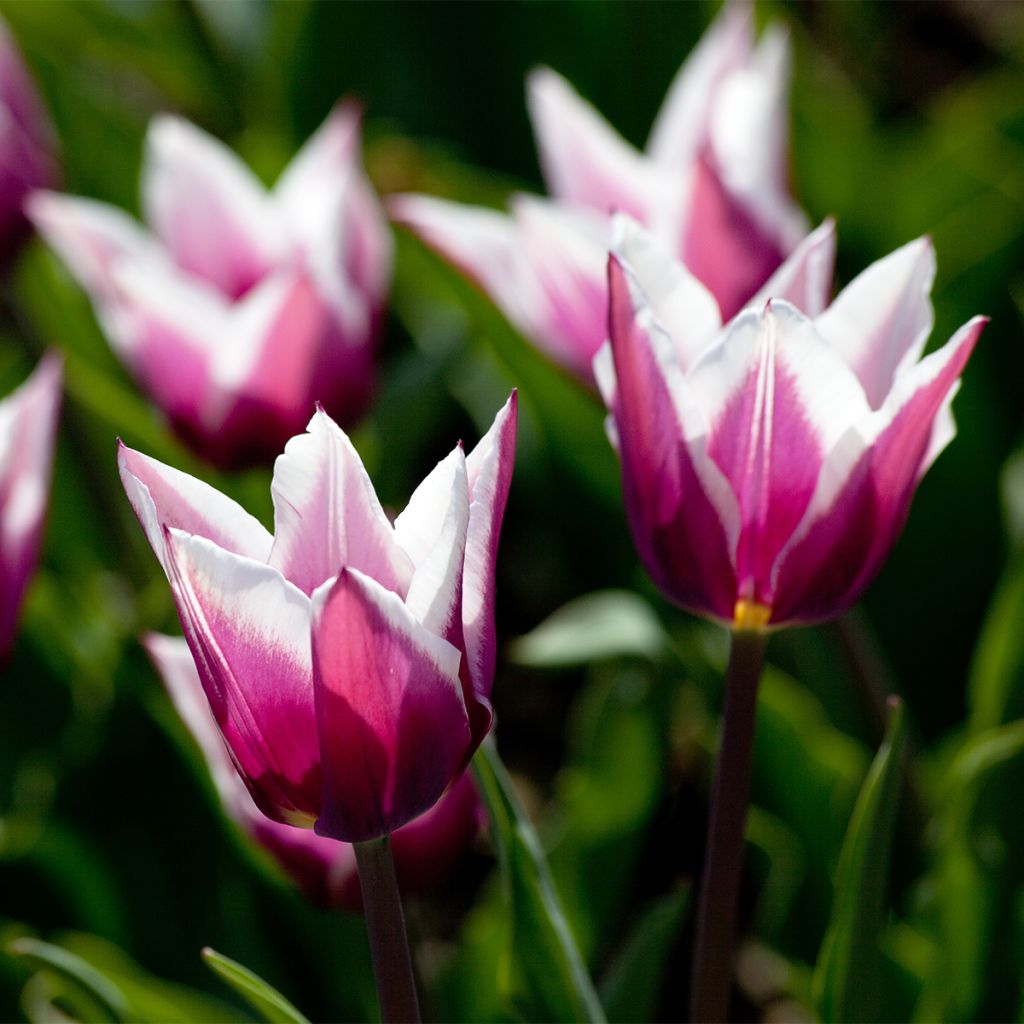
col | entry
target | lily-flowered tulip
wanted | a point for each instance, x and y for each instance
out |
(239, 308)
(348, 661)
(425, 850)
(769, 466)
(711, 184)
(27, 143)
(28, 435)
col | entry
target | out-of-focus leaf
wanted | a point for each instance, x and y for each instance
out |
(996, 685)
(609, 624)
(980, 849)
(263, 998)
(85, 965)
(546, 976)
(632, 982)
(786, 866)
(846, 981)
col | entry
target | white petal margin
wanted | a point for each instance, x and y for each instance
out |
(163, 496)
(327, 515)
(683, 307)
(805, 279)
(879, 323)
(249, 631)
(434, 525)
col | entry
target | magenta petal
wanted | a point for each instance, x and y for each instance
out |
(849, 534)
(28, 435)
(723, 245)
(490, 466)
(248, 630)
(678, 530)
(392, 722)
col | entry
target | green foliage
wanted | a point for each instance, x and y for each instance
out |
(265, 1000)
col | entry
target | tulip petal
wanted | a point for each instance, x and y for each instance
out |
(681, 127)
(327, 515)
(778, 399)
(881, 320)
(207, 207)
(674, 494)
(249, 632)
(490, 466)
(392, 722)
(680, 303)
(584, 160)
(28, 429)
(166, 497)
(866, 487)
(805, 279)
(432, 531)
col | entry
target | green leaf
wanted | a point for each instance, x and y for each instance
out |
(265, 1000)
(607, 624)
(631, 986)
(547, 979)
(847, 972)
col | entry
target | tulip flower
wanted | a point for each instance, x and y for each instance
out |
(711, 184)
(27, 143)
(348, 661)
(769, 465)
(28, 436)
(425, 849)
(239, 308)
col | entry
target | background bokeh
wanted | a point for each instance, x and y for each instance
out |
(906, 119)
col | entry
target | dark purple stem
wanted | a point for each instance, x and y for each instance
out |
(723, 853)
(385, 924)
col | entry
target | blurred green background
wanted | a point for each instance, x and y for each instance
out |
(906, 119)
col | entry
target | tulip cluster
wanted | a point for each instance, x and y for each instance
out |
(239, 308)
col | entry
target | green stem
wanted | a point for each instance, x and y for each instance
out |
(723, 853)
(385, 924)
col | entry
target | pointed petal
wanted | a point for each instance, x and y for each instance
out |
(432, 531)
(681, 127)
(722, 244)
(28, 436)
(207, 207)
(166, 497)
(490, 466)
(805, 279)
(778, 399)
(865, 490)
(392, 722)
(673, 493)
(327, 515)
(880, 321)
(584, 160)
(249, 633)
(680, 303)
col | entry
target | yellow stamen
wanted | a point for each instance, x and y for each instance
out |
(751, 615)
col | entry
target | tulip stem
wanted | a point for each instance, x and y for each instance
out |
(385, 923)
(723, 853)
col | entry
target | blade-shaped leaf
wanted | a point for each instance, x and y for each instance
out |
(263, 998)
(846, 975)
(548, 977)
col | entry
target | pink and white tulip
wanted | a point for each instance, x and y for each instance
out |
(425, 850)
(711, 184)
(239, 308)
(28, 146)
(28, 436)
(769, 465)
(348, 662)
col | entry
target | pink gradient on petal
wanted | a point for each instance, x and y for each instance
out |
(722, 245)
(392, 722)
(677, 529)
(832, 563)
